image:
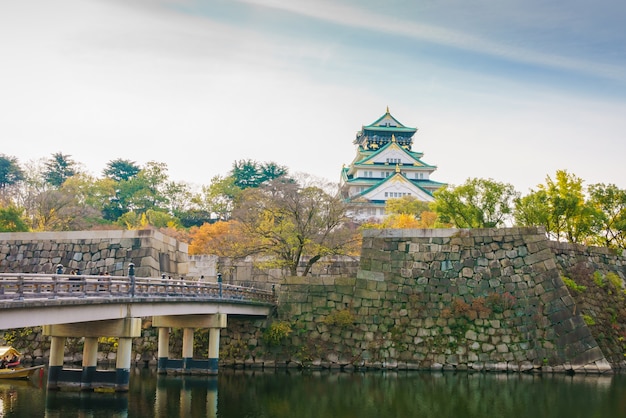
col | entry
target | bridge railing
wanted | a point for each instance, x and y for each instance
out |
(20, 286)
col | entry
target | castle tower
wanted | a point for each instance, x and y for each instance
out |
(385, 167)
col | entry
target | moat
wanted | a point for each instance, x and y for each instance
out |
(281, 393)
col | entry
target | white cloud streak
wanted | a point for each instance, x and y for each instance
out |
(365, 19)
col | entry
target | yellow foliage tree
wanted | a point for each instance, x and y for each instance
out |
(222, 238)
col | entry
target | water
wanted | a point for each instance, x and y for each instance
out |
(278, 394)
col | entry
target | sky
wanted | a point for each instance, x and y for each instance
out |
(508, 90)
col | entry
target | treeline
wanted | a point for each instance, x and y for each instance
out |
(257, 209)
(57, 194)
(569, 211)
(260, 209)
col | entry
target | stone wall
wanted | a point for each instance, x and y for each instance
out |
(431, 299)
(246, 273)
(492, 299)
(93, 252)
(600, 296)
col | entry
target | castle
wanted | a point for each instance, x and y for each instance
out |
(385, 167)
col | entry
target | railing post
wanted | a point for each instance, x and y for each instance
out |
(131, 275)
(19, 295)
(56, 280)
(55, 284)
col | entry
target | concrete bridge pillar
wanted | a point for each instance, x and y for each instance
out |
(187, 348)
(214, 349)
(122, 364)
(88, 378)
(90, 360)
(55, 364)
(189, 365)
(163, 352)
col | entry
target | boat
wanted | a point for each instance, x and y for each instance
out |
(11, 366)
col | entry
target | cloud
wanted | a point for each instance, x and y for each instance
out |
(361, 18)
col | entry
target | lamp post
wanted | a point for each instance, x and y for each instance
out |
(131, 275)
(219, 283)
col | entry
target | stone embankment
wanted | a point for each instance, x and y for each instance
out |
(93, 252)
(483, 300)
(447, 299)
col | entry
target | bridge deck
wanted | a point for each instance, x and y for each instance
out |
(38, 299)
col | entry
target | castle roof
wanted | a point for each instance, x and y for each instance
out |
(387, 123)
(415, 188)
(376, 156)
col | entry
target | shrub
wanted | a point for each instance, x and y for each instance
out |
(501, 302)
(460, 307)
(598, 279)
(17, 336)
(480, 307)
(589, 320)
(614, 279)
(572, 285)
(342, 318)
(277, 332)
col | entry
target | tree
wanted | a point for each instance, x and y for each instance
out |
(249, 173)
(139, 193)
(12, 219)
(179, 197)
(10, 171)
(215, 238)
(149, 218)
(57, 210)
(120, 169)
(406, 205)
(478, 203)
(90, 191)
(405, 212)
(610, 204)
(287, 221)
(218, 198)
(534, 210)
(59, 168)
(560, 207)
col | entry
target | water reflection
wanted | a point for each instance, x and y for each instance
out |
(17, 395)
(60, 404)
(280, 393)
(186, 396)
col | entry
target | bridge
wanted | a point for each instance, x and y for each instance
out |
(89, 307)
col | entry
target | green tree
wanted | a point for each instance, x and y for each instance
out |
(406, 205)
(560, 207)
(534, 210)
(120, 170)
(10, 171)
(287, 221)
(218, 198)
(150, 218)
(59, 168)
(478, 203)
(249, 173)
(180, 198)
(139, 193)
(610, 204)
(12, 219)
